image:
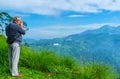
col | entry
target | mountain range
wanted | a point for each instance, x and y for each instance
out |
(100, 45)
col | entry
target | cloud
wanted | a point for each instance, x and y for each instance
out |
(73, 16)
(56, 7)
(61, 31)
(20, 14)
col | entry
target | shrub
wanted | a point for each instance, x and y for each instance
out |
(3, 51)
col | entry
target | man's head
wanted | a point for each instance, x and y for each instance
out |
(17, 20)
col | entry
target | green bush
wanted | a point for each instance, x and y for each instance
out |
(3, 51)
(44, 61)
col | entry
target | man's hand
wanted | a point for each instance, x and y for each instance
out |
(21, 25)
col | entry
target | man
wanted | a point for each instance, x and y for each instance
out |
(14, 32)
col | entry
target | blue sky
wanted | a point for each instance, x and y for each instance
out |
(59, 18)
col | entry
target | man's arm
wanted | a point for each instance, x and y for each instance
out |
(21, 29)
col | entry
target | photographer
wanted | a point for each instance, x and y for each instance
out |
(14, 32)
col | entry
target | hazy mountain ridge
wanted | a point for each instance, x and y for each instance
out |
(105, 29)
(101, 45)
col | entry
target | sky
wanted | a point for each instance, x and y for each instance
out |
(47, 19)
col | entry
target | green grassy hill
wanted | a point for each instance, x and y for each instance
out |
(48, 65)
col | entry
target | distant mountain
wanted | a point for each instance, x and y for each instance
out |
(99, 45)
(105, 29)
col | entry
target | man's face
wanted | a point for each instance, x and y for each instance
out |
(18, 22)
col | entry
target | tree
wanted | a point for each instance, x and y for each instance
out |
(26, 44)
(5, 19)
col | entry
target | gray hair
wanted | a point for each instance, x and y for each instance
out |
(16, 18)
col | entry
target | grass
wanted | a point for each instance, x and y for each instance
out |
(48, 65)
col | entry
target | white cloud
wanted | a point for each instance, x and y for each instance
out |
(56, 7)
(61, 31)
(20, 14)
(73, 16)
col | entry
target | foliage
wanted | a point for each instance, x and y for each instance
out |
(3, 51)
(5, 18)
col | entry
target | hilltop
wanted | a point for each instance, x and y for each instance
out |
(48, 65)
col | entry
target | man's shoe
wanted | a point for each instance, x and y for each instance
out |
(19, 75)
